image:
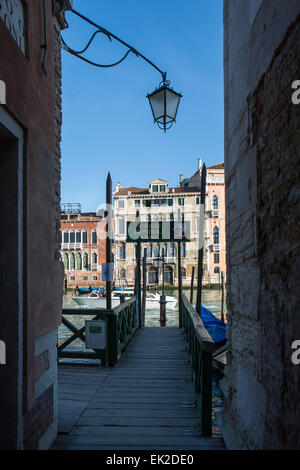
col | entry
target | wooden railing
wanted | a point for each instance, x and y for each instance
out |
(200, 347)
(121, 325)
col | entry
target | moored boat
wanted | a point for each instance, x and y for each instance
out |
(215, 327)
(87, 290)
(97, 300)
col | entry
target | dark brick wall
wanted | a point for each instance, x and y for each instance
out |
(38, 420)
(276, 134)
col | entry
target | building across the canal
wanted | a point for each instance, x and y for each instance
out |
(82, 247)
(161, 202)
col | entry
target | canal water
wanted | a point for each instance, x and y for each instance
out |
(211, 299)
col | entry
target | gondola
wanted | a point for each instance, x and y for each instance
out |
(87, 290)
(215, 327)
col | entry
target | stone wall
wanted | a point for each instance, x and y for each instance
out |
(261, 154)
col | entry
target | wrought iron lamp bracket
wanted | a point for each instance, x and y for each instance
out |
(110, 36)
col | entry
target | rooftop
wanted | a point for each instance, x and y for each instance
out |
(133, 191)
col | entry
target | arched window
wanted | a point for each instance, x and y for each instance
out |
(168, 275)
(172, 250)
(86, 261)
(66, 237)
(72, 262)
(183, 272)
(215, 202)
(72, 236)
(79, 262)
(78, 236)
(164, 250)
(149, 251)
(153, 276)
(66, 261)
(94, 237)
(122, 251)
(94, 258)
(216, 235)
(156, 251)
(122, 274)
(84, 237)
(183, 250)
(217, 270)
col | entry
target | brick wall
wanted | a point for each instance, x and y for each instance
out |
(261, 60)
(276, 133)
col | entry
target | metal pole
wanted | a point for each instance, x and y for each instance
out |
(222, 300)
(163, 316)
(201, 242)
(108, 238)
(138, 280)
(179, 284)
(144, 285)
(138, 277)
(192, 285)
(135, 274)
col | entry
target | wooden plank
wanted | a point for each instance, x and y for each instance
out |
(138, 440)
(141, 431)
(147, 401)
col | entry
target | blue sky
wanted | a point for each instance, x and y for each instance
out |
(107, 121)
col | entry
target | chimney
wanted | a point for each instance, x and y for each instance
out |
(199, 163)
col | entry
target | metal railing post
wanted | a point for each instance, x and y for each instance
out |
(200, 349)
(206, 393)
(112, 341)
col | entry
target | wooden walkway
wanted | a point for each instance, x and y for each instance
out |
(147, 401)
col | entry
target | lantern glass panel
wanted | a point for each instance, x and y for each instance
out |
(157, 101)
(172, 100)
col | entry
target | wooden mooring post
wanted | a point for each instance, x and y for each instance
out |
(192, 285)
(222, 296)
(179, 285)
(108, 239)
(201, 240)
(144, 286)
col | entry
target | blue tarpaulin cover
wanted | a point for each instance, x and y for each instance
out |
(215, 327)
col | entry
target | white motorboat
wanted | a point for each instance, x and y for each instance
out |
(96, 300)
(153, 301)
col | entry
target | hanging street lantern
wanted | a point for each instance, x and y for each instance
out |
(164, 102)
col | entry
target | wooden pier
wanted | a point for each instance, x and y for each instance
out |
(146, 401)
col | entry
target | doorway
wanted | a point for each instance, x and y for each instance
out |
(11, 280)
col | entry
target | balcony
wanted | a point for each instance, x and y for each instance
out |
(215, 247)
(212, 213)
(71, 246)
(168, 260)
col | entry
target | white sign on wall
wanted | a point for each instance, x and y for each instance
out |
(12, 13)
(95, 334)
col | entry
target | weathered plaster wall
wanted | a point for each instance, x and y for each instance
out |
(34, 101)
(261, 59)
